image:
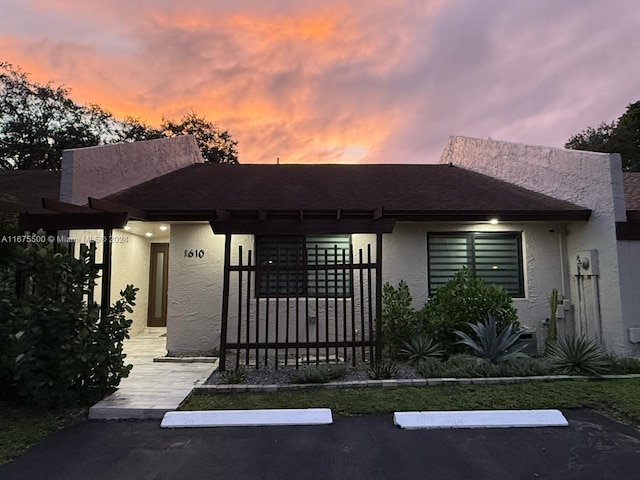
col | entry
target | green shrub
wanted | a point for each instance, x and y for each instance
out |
(320, 373)
(624, 365)
(490, 345)
(418, 348)
(578, 355)
(234, 377)
(463, 300)
(399, 321)
(383, 370)
(55, 349)
(466, 366)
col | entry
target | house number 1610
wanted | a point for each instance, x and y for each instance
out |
(194, 253)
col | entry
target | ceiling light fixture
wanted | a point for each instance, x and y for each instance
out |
(148, 234)
(164, 228)
(494, 221)
(127, 228)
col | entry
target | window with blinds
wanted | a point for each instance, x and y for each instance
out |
(303, 266)
(496, 258)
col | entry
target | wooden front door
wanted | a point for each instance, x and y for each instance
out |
(158, 280)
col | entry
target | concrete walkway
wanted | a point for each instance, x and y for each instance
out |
(152, 388)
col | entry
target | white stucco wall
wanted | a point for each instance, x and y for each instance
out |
(629, 255)
(591, 180)
(129, 265)
(196, 287)
(545, 265)
(107, 169)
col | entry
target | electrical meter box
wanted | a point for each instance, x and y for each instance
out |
(586, 263)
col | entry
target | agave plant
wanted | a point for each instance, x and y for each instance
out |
(492, 346)
(580, 355)
(382, 370)
(418, 348)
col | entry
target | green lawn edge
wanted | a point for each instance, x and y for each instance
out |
(620, 397)
(23, 426)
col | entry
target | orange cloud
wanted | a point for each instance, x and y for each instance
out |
(346, 81)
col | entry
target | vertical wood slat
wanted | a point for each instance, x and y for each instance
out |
(353, 309)
(225, 301)
(248, 326)
(257, 329)
(344, 308)
(370, 313)
(267, 299)
(316, 278)
(106, 271)
(336, 327)
(378, 337)
(326, 305)
(297, 346)
(362, 304)
(277, 328)
(239, 337)
(287, 326)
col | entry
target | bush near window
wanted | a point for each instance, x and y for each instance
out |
(463, 300)
(399, 321)
(55, 349)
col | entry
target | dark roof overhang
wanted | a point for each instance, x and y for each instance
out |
(629, 230)
(54, 215)
(379, 220)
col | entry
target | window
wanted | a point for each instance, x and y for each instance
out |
(496, 258)
(303, 266)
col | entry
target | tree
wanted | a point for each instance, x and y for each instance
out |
(38, 122)
(216, 145)
(55, 347)
(621, 136)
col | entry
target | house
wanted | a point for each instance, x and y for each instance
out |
(257, 258)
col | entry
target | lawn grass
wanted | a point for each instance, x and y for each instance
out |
(618, 397)
(22, 426)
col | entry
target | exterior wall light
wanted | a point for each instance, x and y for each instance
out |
(494, 221)
(164, 228)
(127, 227)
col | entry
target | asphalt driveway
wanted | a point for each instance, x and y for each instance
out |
(363, 447)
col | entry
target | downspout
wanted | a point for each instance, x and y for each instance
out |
(562, 277)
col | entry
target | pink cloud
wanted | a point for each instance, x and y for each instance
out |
(341, 81)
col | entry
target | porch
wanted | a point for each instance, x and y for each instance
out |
(152, 388)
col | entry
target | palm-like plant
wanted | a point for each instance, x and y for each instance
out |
(492, 346)
(418, 348)
(579, 354)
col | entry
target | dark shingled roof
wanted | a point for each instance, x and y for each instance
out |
(404, 191)
(30, 186)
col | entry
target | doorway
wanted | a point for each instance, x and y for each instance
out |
(158, 282)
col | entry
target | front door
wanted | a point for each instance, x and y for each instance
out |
(158, 279)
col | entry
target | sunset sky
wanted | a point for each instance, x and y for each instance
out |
(340, 81)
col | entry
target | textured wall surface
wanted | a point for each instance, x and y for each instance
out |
(129, 265)
(196, 287)
(592, 180)
(107, 169)
(545, 265)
